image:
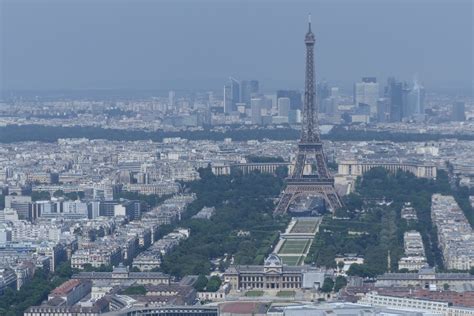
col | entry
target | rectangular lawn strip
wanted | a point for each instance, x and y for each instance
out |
(254, 293)
(294, 246)
(304, 226)
(291, 260)
(286, 294)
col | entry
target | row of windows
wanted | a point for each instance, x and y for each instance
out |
(261, 278)
(270, 285)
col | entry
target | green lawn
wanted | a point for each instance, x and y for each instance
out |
(254, 293)
(305, 226)
(286, 294)
(291, 260)
(294, 246)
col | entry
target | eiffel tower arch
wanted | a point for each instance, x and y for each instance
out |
(310, 148)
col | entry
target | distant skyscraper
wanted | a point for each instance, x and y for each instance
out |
(256, 106)
(294, 96)
(397, 92)
(323, 92)
(231, 95)
(234, 92)
(383, 110)
(416, 100)
(284, 106)
(171, 96)
(331, 104)
(227, 100)
(459, 111)
(367, 92)
(248, 89)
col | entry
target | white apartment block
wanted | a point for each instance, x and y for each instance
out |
(455, 234)
(402, 303)
(414, 258)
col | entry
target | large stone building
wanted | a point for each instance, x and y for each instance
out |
(358, 168)
(121, 274)
(426, 278)
(273, 275)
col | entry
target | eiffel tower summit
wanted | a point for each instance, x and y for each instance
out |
(310, 176)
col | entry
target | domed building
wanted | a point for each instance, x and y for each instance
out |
(272, 275)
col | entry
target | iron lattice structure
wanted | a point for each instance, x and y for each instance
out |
(310, 148)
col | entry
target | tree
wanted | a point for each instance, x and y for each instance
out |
(200, 283)
(135, 290)
(281, 172)
(328, 285)
(360, 270)
(353, 202)
(58, 193)
(40, 196)
(262, 159)
(64, 270)
(213, 284)
(340, 283)
(340, 265)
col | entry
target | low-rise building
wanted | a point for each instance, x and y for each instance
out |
(71, 291)
(414, 258)
(121, 274)
(272, 275)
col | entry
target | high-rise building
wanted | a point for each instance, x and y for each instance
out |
(227, 100)
(296, 102)
(415, 108)
(459, 111)
(383, 110)
(323, 92)
(331, 103)
(248, 89)
(416, 100)
(231, 95)
(256, 105)
(171, 96)
(397, 93)
(21, 204)
(234, 92)
(283, 107)
(367, 92)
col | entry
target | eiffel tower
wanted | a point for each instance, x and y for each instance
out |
(310, 148)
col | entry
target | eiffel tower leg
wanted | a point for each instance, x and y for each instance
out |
(321, 165)
(299, 166)
(334, 201)
(283, 204)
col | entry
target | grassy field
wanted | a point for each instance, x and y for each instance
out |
(286, 294)
(292, 260)
(294, 246)
(254, 293)
(305, 226)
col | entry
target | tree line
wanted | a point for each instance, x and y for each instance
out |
(375, 231)
(18, 133)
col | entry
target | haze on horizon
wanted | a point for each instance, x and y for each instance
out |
(85, 44)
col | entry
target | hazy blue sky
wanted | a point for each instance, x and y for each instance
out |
(84, 44)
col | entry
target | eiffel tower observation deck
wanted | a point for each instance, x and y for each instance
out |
(319, 181)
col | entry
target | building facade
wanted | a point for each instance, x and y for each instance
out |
(272, 275)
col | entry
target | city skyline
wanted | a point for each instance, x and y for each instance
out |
(142, 47)
(224, 160)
